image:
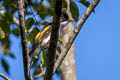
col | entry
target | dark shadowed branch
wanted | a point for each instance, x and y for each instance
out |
(75, 33)
(53, 40)
(5, 77)
(73, 36)
(23, 38)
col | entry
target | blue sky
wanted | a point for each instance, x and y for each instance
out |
(97, 46)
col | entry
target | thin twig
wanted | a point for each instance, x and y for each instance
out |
(73, 36)
(23, 39)
(5, 77)
(53, 40)
(75, 33)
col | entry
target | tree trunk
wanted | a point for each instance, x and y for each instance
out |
(68, 66)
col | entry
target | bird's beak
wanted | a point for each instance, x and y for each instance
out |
(70, 20)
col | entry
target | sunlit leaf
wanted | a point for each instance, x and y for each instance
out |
(74, 10)
(6, 51)
(5, 65)
(60, 41)
(43, 59)
(1, 8)
(5, 42)
(2, 34)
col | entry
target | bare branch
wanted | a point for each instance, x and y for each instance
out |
(73, 36)
(53, 40)
(23, 39)
(5, 77)
(75, 33)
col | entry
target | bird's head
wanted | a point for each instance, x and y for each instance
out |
(64, 20)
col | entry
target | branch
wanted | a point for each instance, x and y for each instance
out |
(23, 39)
(74, 34)
(53, 41)
(5, 77)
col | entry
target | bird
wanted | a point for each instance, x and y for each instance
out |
(42, 39)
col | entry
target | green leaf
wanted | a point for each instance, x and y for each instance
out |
(60, 41)
(12, 55)
(2, 34)
(5, 66)
(74, 10)
(37, 70)
(5, 43)
(8, 17)
(43, 59)
(51, 3)
(85, 3)
(45, 23)
(1, 8)
(41, 10)
(64, 4)
(37, 23)
(51, 11)
(32, 35)
(16, 32)
(59, 49)
(7, 51)
(35, 61)
(5, 27)
(29, 22)
(5, 21)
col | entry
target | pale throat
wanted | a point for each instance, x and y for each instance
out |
(62, 25)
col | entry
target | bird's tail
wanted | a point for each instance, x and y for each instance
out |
(33, 52)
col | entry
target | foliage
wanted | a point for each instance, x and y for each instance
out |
(36, 14)
(84, 2)
(74, 10)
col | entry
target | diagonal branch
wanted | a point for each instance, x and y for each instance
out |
(75, 33)
(73, 36)
(23, 38)
(53, 40)
(5, 77)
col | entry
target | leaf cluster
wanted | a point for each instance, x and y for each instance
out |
(37, 14)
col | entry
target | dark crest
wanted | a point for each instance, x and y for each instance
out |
(64, 17)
